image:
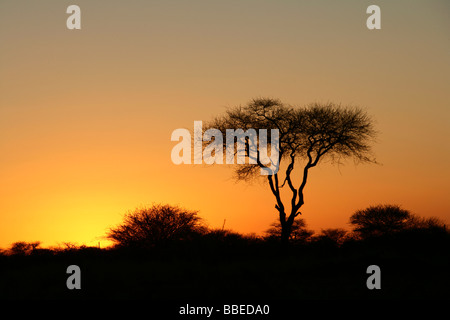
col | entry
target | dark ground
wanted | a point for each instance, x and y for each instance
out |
(412, 267)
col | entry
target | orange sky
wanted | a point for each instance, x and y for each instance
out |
(86, 115)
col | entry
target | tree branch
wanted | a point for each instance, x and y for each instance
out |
(276, 192)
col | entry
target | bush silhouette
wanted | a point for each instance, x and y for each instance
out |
(379, 220)
(299, 233)
(389, 219)
(23, 248)
(332, 236)
(430, 224)
(159, 224)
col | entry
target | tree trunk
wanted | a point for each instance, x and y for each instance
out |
(286, 232)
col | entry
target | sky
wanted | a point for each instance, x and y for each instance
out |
(86, 115)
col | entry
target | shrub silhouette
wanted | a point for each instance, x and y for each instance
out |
(23, 248)
(389, 219)
(332, 236)
(380, 220)
(159, 224)
(430, 224)
(299, 232)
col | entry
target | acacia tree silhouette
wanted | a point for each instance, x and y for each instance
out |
(310, 133)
